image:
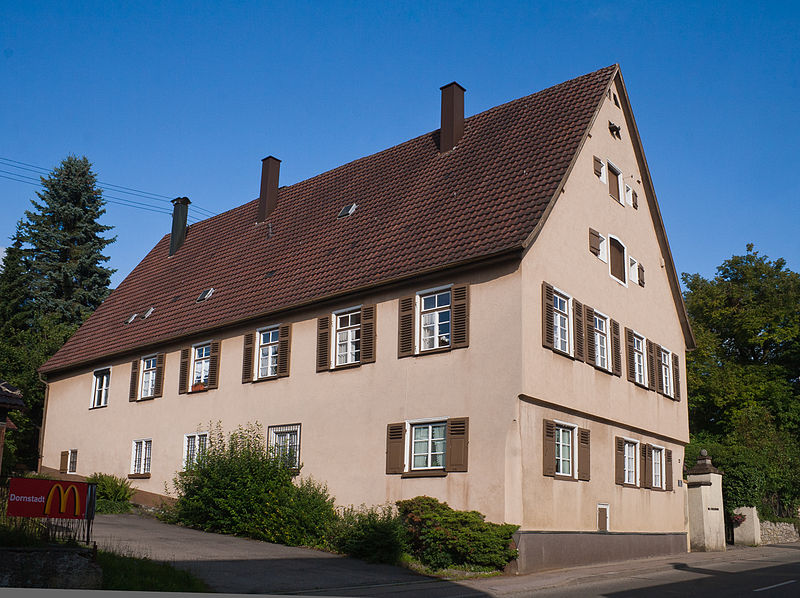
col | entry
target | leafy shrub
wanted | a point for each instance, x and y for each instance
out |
(237, 487)
(442, 537)
(106, 506)
(111, 487)
(374, 534)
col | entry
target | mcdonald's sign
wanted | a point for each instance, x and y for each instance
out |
(50, 498)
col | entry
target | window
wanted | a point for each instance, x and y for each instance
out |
(72, 465)
(200, 366)
(428, 448)
(615, 182)
(100, 384)
(601, 357)
(206, 294)
(348, 337)
(284, 442)
(561, 309)
(563, 450)
(617, 254)
(628, 195)
(347, 210)
(434, 320)
(194, 445)
(638, 360)
(268, 352)
(148, 377)
(658, 467)
(630, 462)
(140, 458)
(666, 372)
(633, 270)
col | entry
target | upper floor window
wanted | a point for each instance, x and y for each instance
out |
(615, 183)
(601, 353)
(148, 377)
(140, 457)
(194, 445)
(665, 364)
(69, 461)
(201, 362)
(348, 337)
(268, 352)
(617, 256)
(561, 322)
(436, 319)
(640, 370)
(428, 449)
(658, 467)
(284, 443)
(630, 462)
(100, 384)
(563, 450)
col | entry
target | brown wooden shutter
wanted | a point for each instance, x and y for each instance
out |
(368, 334)
(635, 201)
(629, 350)
(584, 454)
(547, 316)
(578, 333)
(641, 275)
(405, 338)
(457, 444)
(619, 460)
(588, 318)
(284, 349)
(616, 349)
(651, 365)
(247, 357)
(395, 447)
(668, 469)
(549, 447)
(133, 391)
(676, 378)
(213, 366)
(158, 391)
(460, 322)
(598, 166)
(646, 467)
(64, 465)
(323, 343)
(594, 241)
(183, 375)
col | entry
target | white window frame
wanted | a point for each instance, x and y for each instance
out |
(620, 189)
(570, 321)
(419, 314)
(661, 452)
(197, 448)
(636, 462)
(273, 444)
(195, 361)
(429, 454)
(668, 384)
(106, 375)
(259, 345)
(633, 270)
(600, 316)
(334, 352)
(624, 260)
(145, 461)
(152, 371)
(645, 373)
(407, 452)
(628, 198)
(603, 247)
(573, 438)
(72, 461)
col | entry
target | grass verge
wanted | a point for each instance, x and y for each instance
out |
(143, 575)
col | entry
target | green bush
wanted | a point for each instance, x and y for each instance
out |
(236, 487)
(374, 534)
(442, 537)
(111, 487)
(105, 506)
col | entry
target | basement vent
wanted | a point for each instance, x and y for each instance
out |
(148, 313)
(347, 211)
(131, 319)
(205, 294)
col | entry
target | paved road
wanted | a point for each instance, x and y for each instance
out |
(236, 565)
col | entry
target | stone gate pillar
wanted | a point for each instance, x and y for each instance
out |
(706, 516)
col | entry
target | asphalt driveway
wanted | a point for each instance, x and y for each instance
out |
(237, 565)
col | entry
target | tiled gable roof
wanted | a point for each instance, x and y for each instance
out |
(418, 210)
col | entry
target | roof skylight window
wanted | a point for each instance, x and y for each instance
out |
(148, 313)
(205, 295)
(131, 319)
(347, 210)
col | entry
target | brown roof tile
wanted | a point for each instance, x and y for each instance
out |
(418, 210)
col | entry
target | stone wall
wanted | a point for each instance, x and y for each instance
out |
(778, 533)
(49, 568)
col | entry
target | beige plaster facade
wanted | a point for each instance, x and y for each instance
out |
(506, 382)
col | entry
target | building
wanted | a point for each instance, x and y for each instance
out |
(488, 314)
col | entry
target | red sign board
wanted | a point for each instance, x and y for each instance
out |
(47, 498)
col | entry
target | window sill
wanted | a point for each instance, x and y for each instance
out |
(600, 368)
(562, 353)
(199, 390)
(97, 407)
(432, 473)
(430, 351)
(264, 379)
(345, 366)
(565, 478)
(144, 399)
(138, 476)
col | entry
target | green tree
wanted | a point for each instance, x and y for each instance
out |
(52, 279)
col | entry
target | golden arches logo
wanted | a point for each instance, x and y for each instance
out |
(63, 498)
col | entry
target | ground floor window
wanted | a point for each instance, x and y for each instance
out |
(428, 448)
(194, 445)
(140, 459)
(284, 442)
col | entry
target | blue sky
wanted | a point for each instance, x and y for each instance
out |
(186, 98)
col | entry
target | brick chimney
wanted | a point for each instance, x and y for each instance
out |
(268, 198)
(180, 212)
(452, 116)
